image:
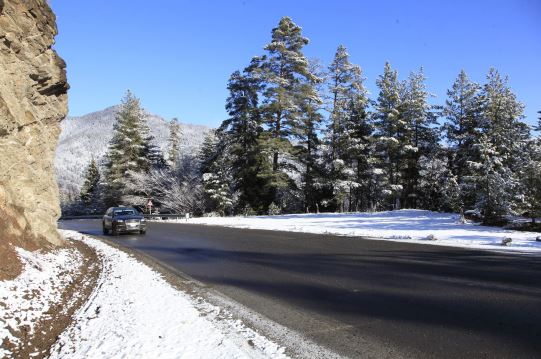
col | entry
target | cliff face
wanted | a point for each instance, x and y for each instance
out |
(33, 100)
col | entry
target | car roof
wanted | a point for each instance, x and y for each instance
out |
(122, 208)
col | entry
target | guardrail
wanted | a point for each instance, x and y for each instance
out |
(149, 216)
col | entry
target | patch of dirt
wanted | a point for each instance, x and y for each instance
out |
(12, 235)
(60, 315)
(11, 266)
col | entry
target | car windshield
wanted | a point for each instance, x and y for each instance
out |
(124, 212)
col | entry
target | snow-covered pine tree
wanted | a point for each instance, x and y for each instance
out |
(154, 154)
(495, 183)
(283, 68)
(389, 134)
(348, 133)
(216, 173)
(344, 82)
(419, 137)
(360, 155)
(175, 133)
(128, 149)
(243, 129)
(90, 192)
(502, 115)
(530, 177)
(530, 180)
(462, 130)
(438, 185)
(306, 134)
(508, 136)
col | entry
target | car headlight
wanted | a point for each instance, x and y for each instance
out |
(143, 220)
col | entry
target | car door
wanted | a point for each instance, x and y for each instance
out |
(107, 219)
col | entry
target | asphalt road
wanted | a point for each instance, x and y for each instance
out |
(362, 298)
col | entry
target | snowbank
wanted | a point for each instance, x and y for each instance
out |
(135, 313)
(405, 225)
(29, 297)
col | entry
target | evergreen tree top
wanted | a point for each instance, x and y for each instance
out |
(287, 36)
(390, 92)
(286, 60)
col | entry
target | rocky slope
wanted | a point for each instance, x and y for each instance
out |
(33, 101)
(85, 136)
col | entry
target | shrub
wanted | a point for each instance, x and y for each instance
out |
(274, 210)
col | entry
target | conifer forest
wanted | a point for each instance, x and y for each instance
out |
(302, 136)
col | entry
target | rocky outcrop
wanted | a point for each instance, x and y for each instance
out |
(33, 100)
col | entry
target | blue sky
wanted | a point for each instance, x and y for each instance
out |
(176, 56)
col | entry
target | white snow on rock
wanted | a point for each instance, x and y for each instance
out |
(27, 298)
(404, 225)
(135, 313)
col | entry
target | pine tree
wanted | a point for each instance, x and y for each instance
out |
(529, 176)
(389, 133)
(243, 130)
(502, 115)
(90, 191)
(349, 133)
(175, 133)
(493, 183)
(153, 154)
(508, 136)
(308, 153)
(419, 137)
(216, 173)
(129, 149)
(463, 129)
(437, 183)
(283, 68)
(360, 154)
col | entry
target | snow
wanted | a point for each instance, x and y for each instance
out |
(135, 313)
(414, 226)
(28, 297)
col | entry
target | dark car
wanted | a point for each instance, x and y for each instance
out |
(123, 220)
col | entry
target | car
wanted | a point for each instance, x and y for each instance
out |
(123, 220)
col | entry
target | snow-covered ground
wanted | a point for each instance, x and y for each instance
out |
(135, 313)
(28, 298)
(404, 225)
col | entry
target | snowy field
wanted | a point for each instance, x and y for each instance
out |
(135, 313)
(405, 225)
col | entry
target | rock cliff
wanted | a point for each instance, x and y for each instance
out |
(33, 100)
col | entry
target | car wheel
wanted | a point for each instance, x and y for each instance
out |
(114, 231)
(143, 232)
(105, 230)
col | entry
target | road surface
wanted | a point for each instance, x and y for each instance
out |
(358, 297)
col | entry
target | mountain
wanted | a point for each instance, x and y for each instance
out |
(85, 136)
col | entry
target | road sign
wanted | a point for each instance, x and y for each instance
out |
(149, 203)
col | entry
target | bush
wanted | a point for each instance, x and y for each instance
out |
(274, 210)
(249, 211)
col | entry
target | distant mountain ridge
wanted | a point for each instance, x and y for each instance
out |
(87, 136)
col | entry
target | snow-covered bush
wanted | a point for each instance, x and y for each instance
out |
(274, 210)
